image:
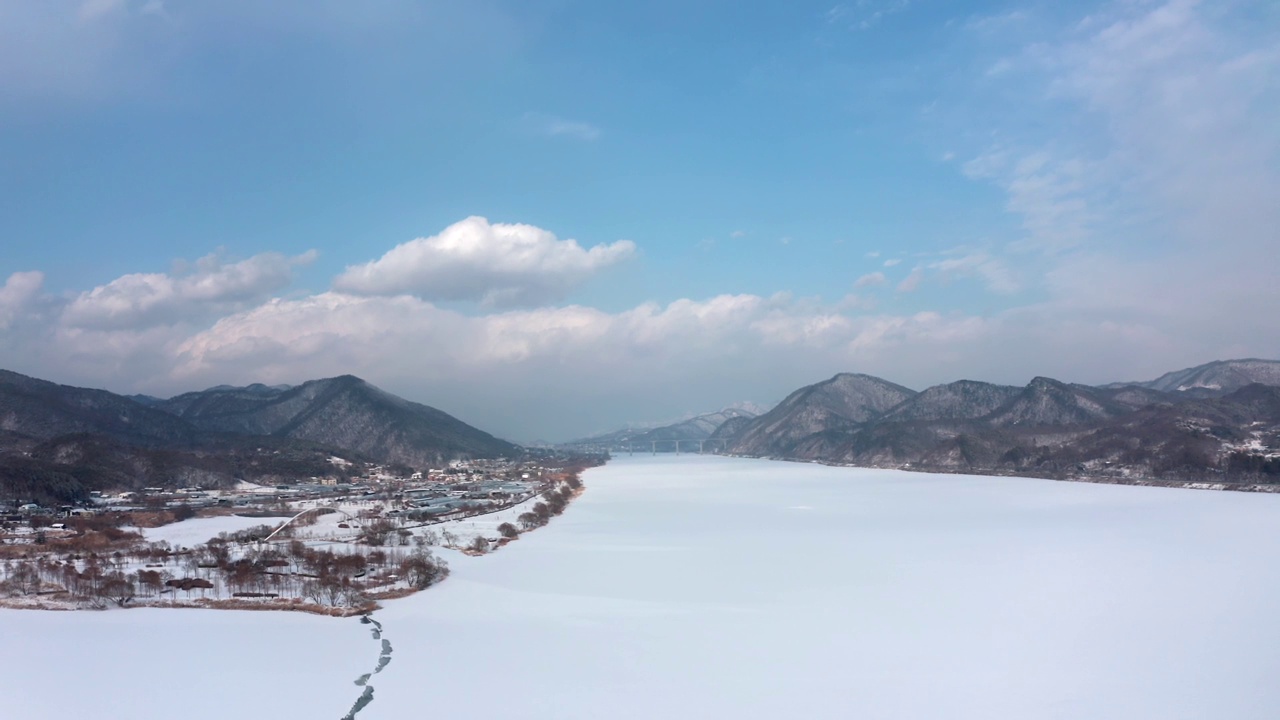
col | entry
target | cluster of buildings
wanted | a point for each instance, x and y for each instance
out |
(463, 487)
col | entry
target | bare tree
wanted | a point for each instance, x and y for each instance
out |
(376, 532)
(118, 588)
(150, 581)
(24, 578)
(421, 569)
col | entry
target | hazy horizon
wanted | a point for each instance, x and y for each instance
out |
(551, 219)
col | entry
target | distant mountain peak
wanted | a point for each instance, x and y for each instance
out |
(1219, 377)
(696, 427)
(343, 411)
(962, 399)
(838, 403)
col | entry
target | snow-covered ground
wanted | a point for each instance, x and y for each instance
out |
(691, 587)
(196, 664)
(198, 531)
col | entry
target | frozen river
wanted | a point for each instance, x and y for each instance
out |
(691, 587)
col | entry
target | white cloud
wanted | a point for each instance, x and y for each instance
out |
(498, 264)
(874, 279)
(1000, 67)
(997, 21)
(1158, 190)
(58, 51)
(1164, 114)
(91, 10)
(506, 367)
(864, 14)
(892, 261)
(501, 370)
(17, 294)
(1190, 106)
(1049, 194)
(911, 282)
(210, 287)
(554, 126)
(994, 273)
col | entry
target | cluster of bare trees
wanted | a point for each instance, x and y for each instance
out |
(223, 567)
(93, 579)
(552, 503)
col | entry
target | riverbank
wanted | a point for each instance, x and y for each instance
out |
(1137, 481)
(333, 561)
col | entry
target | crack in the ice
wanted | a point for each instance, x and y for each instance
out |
(384, 659)
(365, 698)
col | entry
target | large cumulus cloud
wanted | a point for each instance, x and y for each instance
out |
(498, 264)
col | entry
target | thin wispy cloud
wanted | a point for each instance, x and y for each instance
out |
(997, 22)
(991, 271)
(1050, 194)
(863, 14)
(555, 126)
(911, 282)
(874, 279)
(91, 10)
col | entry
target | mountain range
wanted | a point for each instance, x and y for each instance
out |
(1218, 421)
(698, 427)
(59, 442)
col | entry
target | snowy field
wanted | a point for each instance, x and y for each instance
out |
(198, 531)
(690, 587)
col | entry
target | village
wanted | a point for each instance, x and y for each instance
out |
(335, 545)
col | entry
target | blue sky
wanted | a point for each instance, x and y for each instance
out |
(761, 195)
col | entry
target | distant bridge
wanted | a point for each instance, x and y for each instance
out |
(308, 511)
(652, 445)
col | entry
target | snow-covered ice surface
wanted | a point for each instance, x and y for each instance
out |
(692, 587)
(192, 664)
(198, 531)
(687, 587)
